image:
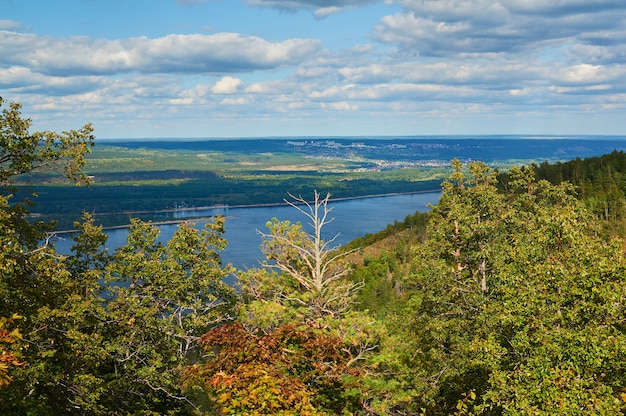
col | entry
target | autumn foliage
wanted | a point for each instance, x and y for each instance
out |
(294, 370)
(9, 355)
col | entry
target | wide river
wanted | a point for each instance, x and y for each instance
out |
(352, 218)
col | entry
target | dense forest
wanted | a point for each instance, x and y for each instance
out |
(600, 183)
(507, 298)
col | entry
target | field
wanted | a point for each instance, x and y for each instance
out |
(144, 177)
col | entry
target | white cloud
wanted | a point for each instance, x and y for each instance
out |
(331, 92)
(181, 101)
(540, 7)
(326, 11)
(457, 27)
(320, 8)
(582, 73)
(195, 53)
(518, 92)
(426, 58)
(341, 106)
(6, 24)
(233, 101)
(226, 85)
(258, 88)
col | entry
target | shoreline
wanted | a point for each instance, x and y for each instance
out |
(269, 204)
(222, 206)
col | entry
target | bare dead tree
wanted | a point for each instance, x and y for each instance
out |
(316, 264)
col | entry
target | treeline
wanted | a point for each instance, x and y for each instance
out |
(600, 183)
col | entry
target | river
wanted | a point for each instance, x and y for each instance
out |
(352, 218)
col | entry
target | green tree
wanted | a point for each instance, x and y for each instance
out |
(34, 282)
(162, 298)
(102, 333)
(517, 307)
(24, 152)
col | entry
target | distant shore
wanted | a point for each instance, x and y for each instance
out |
(223, 206)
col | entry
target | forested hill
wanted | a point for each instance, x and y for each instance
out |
(509, 299)
(600, 183)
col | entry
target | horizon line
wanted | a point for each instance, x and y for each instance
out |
(380, 137)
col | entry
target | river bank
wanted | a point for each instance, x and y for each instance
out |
(223, 207)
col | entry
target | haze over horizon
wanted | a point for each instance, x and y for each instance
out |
(267, 68)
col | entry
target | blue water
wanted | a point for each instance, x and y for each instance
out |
(352, 218)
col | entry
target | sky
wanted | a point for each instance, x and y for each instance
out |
(257, 68)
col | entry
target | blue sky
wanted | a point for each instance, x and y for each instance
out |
(230, 68)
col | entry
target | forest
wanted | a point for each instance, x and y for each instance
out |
(507, 298)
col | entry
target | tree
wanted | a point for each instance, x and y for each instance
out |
(293, 370)
(297, 346)
(517, 306)
(102, 333)
(24, 152)
(313, 280)
(34, 282)
(163, 297)
(9, 349)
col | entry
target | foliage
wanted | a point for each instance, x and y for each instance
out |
(600, 183)
(511, 300)
(515, 301)
(24, 152)
(161, 299)
(119, 347)
(415, 223)
(293, 370)
(298, 345)
(9, 349)
(102, 333)
(59, 312)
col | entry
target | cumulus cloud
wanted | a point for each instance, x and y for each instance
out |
(196, 53)
(439, 58)
(448, 27)
(23, 80)
(226, 85)
(561, 7)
